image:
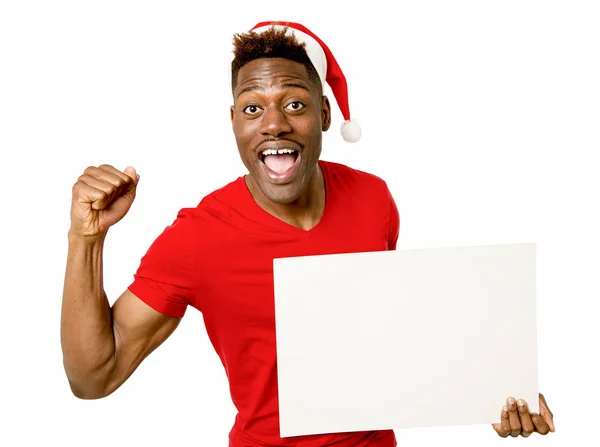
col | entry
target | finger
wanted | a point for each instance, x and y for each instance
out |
(109, 174)
(132, 178)
(110, 190)
(527, 427)
(125, 183)
(540, 424)
(85, 193)
(98, 183)
(513, 417)
(546, 413)
(503, 428)
(128, 175)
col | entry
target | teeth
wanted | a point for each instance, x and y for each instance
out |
(280, 151)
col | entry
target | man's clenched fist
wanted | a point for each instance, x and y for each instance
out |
(101, 197)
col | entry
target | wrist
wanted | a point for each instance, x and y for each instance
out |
(77, 238)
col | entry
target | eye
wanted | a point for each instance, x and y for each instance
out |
(251, 109)
(295, 106)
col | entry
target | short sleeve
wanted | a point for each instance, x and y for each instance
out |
(394, 219)
(165, 277)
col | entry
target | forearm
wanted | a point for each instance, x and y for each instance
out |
(87, 335)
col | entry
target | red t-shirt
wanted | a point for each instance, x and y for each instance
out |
(218, 258)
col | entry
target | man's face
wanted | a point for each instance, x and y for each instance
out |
(278, 118)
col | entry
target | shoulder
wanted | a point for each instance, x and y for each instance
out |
(227, 194)
(354, 180)
(219, 202)
(191, 222)
(216, 218)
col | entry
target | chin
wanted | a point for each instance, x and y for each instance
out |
(283, 195)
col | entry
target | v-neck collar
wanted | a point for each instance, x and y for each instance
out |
(264, 214)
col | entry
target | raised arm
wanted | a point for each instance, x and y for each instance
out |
(102, 346)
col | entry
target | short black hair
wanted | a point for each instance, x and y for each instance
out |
(274, 42)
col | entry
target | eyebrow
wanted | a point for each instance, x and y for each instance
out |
(252, 88)
(296, 85)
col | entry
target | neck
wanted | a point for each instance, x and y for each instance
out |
(305, 212)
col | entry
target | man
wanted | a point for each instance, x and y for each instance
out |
(218, 256)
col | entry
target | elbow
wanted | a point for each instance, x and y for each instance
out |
(87, 393)
(88, 390)
(91, 386)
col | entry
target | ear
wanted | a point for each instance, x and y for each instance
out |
(232, 112)
(325, 113)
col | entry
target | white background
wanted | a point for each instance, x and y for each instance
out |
(483, 117)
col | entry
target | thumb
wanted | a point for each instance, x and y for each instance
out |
(131, 172)
(130, 189)
(546, 413)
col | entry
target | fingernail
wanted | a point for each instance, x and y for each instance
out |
(521, 402)
(505, 409)
(511, 401)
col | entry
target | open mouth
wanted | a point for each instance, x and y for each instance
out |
(279, 163)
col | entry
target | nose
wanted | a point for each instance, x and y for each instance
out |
(274, 122)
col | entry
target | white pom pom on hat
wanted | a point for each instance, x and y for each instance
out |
(329, 71)
(351, 131)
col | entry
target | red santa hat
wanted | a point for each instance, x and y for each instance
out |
(327, 67)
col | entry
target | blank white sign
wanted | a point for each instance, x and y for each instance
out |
(403, 339)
